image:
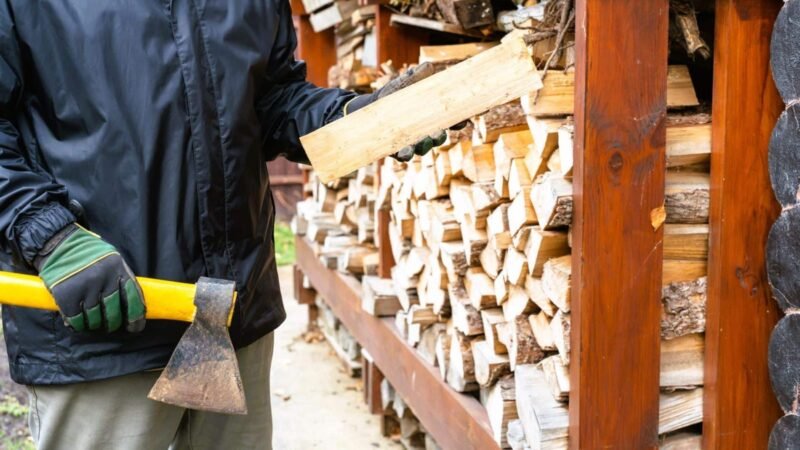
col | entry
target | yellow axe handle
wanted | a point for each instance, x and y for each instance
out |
(166, 300)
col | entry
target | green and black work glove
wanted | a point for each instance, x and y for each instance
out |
(93, 287)
(408, 78)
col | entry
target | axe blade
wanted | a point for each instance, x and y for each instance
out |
(203, 372)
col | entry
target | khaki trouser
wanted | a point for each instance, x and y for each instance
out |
(116, 413)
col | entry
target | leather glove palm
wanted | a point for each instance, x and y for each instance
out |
(408, 78)
(93, 287)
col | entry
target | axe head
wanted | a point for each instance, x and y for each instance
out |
(203, 372)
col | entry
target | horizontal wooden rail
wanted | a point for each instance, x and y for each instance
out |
(455, 421)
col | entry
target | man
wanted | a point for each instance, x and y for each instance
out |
(133, 140)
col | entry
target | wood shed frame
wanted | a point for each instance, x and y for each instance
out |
(619, 157)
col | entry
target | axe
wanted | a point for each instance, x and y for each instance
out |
(203, 372)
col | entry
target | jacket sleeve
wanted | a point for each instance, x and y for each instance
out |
(32, 204)
(293, 107)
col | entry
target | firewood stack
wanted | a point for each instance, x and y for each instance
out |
(480, 234)
(339, 217)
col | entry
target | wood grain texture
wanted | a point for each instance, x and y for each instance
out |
(739, 407)
(619, 171)
(465, 425)
(494, 77)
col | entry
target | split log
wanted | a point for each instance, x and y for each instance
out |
(497, 227)
(552, 200)
(521, 212)
(784, 362)
(422, 315)
(545, 140)
(461, 372)
(682, 441)
(442, 350)
(686, 197)
(497, 76)
(480, 289)
(515, 436)
(785, 434)
(330, 16)
(554, 163)
(518, 303)
(520, 239)
(679, 409)
(491, 260)
(478, 164)
(556, 374)
(784, 162)
(505, 118)
(501, 288)
(427, 342)
(557, 96)
(511, 146)
(518, 338)
(484, 198)
(515, 267)
(379, 297)
(474, 242)
(560, 331)
(454, 259)
(543, 246)
(556, 276)
(544, 420)
(447, 53)
(501, 407)
(783, 259)
(565, 148)
(491, 318)
(686, 242)
(466, 318)
(540, 326)
(534, 289)
(682, 362)
(684, 308)
(489, 366)
(518, 177)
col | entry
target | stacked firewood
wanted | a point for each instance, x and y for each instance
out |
(339, 216)
(480, 234)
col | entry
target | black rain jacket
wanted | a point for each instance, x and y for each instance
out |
(157, 117)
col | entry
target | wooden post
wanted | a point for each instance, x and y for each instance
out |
(740, 408)
(619, 154)
(317, 49)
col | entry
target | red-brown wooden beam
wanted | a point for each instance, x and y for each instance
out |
(740, 408)
(620, 108)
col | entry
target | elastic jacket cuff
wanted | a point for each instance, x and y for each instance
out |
(34, 230)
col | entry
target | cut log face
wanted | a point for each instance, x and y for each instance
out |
(491, 319)
(682, 362)
(556, 281)
(540, 325)
(783, 259)
(784, 362)
(786, 433)
(461, 373)
(784, 52)
(499, 401)
(784, 158)
(534, 289)
(489, 366)
(557, 376)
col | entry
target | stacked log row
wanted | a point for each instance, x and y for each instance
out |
(339, 216)
(480, 232)
(783, 247)
(400, 423)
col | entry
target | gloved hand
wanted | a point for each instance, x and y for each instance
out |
(93, 287)
(408, 78)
